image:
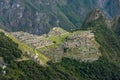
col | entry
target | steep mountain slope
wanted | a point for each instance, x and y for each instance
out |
(27, 51)
(6, 51)
(40, 16)
(112, 7)
(116, 25)
(109, 40)
(107, 67)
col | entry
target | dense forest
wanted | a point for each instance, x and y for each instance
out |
(8, 49)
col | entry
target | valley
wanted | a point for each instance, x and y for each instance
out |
(59, 40)
(40, 16)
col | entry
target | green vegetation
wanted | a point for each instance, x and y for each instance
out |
(8, 49)
(24, 48)
(106, 68)
(71, 10)
(116, 25)
(67, 69)
(57, 40)
(40, 16)
(109, 41)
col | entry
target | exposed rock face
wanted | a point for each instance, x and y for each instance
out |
(40, 16)
(80, 45)
(102, 3)
(31, 16)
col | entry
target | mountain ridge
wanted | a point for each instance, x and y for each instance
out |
(38, 17)
(106, 67)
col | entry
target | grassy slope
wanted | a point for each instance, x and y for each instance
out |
(23, 47)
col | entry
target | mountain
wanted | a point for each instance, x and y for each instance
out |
(116, 25)
(41, 16)
(106, 67)
(104, 34)
(59, 40)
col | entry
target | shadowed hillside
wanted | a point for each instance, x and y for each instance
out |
(40, 16)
